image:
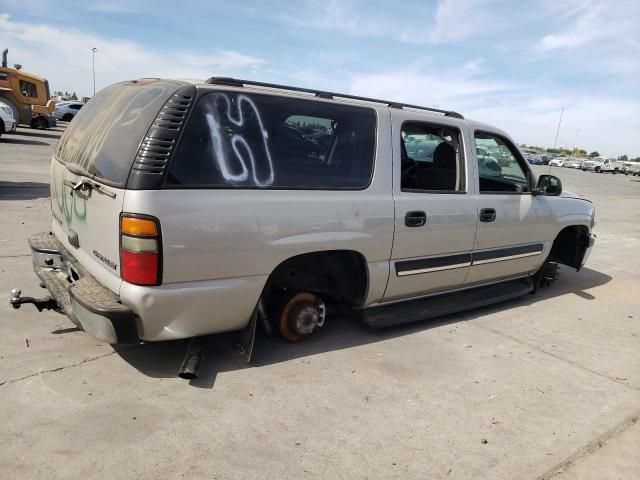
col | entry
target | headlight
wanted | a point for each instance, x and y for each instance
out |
(593, 218)
(7, 109)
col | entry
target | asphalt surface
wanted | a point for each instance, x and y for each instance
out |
(545, 386)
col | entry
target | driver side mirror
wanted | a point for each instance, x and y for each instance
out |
(549, 185)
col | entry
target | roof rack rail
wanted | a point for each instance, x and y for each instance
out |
(236, 82)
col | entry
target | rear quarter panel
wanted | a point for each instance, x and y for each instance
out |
(211, 234)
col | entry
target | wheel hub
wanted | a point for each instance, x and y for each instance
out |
(302, 314)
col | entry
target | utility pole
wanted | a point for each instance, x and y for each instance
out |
(93, 68)
(558, 131)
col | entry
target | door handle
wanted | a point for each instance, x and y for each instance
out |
(487, 215)
(416, 218)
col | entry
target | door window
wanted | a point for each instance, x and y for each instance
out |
(431, 158)
(499, 167)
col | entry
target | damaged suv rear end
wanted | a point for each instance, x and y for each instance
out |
(96, 250)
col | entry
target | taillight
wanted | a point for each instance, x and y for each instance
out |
(140, 249)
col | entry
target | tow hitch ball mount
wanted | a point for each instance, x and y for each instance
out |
(41, 304)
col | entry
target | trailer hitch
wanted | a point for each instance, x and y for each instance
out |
(41, 304)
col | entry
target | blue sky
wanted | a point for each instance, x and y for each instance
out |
(512, 64)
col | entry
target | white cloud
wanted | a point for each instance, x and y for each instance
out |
(608, 124)
(593, 23)
(64, 57)
(449, 21)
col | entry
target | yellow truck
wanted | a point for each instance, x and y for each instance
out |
(27, 95)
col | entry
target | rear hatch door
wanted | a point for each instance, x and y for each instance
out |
(90, 168)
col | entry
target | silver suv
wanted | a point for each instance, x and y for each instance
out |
(181, 210)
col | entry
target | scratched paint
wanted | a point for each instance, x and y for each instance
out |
(233, 155)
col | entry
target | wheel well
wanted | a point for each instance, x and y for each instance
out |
(570, 246)
(67, 117)
(338, 275)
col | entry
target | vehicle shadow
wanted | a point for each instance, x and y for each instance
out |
(30, 132)
(163, 359)
(20, 141)
(23, 190)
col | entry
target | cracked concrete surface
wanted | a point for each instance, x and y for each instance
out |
(543, 387)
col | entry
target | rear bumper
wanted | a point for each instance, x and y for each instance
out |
(92, 307)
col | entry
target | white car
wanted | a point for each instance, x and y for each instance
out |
(8, 122)
(557, 162)
(65, 111)
(574, 163)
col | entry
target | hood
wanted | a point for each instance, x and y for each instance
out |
(566, 194)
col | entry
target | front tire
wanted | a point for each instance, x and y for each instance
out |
(598, 170)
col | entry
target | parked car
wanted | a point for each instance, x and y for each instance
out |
(625, 166)
(633, 169)
(198, 216)
(557, 162)
(8, 122)
(533, 159)
(487, 164)
(601, 165)
(573, 163)
(65, 111)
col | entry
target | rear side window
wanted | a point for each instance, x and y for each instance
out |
(103, 139)
(235, 140)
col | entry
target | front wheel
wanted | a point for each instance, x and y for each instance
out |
(40, 123)
(598, 170)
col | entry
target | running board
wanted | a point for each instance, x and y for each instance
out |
(436, 306)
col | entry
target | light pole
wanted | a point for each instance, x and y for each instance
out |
(93, 68)
(575, 139)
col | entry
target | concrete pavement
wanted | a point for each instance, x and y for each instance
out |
(547, 386)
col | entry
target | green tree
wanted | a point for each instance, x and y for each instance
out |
(594, 154)
(623, 158)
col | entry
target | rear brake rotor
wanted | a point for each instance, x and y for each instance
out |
(301, 315)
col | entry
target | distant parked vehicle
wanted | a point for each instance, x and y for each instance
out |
(65, 111)
(27, 95)
(601, 165)
(557, 162)
(633, 169)
(7, 120)
(487, 164)
(574, 163)
(626, 166)
(533, 159)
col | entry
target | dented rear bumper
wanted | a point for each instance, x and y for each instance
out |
(88, 304)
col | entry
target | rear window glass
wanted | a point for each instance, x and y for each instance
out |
(103, 138)
(263, 141)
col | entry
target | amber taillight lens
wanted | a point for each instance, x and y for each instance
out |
(140, 249)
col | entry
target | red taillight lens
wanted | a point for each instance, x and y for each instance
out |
(139, 268)
(140, 255)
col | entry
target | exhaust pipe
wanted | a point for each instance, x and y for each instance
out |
(190, 367)
(5, 52)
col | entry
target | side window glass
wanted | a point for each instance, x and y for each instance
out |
(28, 89)
(264, 141)
(498, 166)
(431, 158)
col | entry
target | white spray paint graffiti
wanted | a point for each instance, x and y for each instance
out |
(261, 169)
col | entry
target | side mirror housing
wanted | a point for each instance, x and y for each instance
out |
(549, 185)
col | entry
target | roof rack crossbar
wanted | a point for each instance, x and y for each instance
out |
(236, 82)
